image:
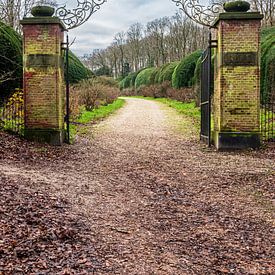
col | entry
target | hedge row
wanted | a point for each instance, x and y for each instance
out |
(172, 72)
(267, 63)
(184, 72)
(10, 60)
(11, 63)
(77, 71)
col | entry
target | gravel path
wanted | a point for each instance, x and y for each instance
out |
(157, 201)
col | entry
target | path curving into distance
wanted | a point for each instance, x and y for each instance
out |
(159, 202)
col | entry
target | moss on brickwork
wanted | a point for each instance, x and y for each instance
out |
(236, 98)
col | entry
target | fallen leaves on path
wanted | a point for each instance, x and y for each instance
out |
(136, 199)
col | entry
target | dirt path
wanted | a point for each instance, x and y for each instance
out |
(156, 201)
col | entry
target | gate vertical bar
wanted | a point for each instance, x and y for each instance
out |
(67, 91)
(206, 85)
(209, 76)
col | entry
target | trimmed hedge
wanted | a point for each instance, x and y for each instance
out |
(159, 74)
(184, 72)
(129, 80)
(77, 71)
(267, 63)
(144, 77)
(167, 72)
(154, 75)
(10, 61)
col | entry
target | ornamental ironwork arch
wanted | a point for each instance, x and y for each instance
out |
(203, 15)
(73, 18)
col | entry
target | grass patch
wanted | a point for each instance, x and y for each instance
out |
(93, 116)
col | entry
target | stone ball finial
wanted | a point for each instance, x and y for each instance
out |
(236, 6)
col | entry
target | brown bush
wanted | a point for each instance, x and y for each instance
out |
(92, 94)
(183, 94)
(128, 92)
(110, 94)
(165, 90)
(74, 102)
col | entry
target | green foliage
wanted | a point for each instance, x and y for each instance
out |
(184, 72)
(144, 77)
(77, 71)
(129, 80)
(154, 75)
(167, 72)
(103, 71)
(159, 74)
(95, 115)
(100, 112)
(197, 72)
(267, 62)
(10, 61)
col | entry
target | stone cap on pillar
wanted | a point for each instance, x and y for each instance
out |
(42, 20)
(238, 16)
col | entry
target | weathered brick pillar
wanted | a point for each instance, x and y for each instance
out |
(43, 79)
(237, 89)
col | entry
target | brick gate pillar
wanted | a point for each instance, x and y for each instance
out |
(237, 90)
(43, 79)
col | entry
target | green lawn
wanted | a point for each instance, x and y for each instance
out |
(93, 116)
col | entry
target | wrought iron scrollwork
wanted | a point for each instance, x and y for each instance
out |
(204, 15)
(73, 18)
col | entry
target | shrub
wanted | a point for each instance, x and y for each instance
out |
(184, 72)
(184, 94)
(10, 61)
(106, 81)
(129, 80)
(159, 74)
(74, 103)
(267, 63)
(93, 94)
(77, 71)
(144, 77)
(167, 72)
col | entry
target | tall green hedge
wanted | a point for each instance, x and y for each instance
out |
(77, 71)
(267, 63)
(159, 74)
(144, 77)
(10, 61)
(184, 72)
(167, 72)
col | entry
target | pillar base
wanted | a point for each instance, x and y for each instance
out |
(236, 140)
(51, 136)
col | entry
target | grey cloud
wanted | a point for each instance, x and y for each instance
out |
(115, 16)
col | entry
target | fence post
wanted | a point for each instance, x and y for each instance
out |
(43, 79)
(237, 90)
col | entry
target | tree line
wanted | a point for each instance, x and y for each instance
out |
(158, 42)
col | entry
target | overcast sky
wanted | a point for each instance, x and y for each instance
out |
(113, 17)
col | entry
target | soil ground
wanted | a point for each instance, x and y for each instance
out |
(136, 194)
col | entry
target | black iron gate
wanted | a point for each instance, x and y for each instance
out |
(268, 116)
(206, 90)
